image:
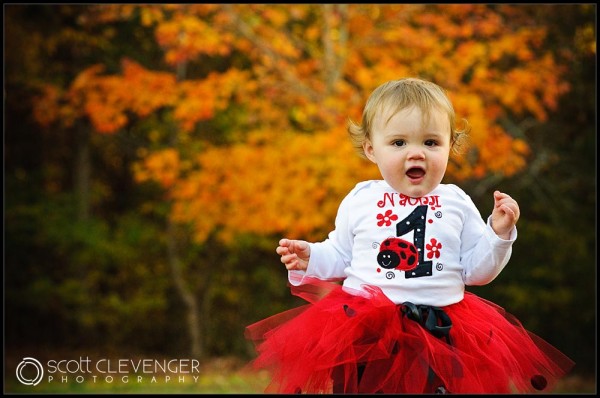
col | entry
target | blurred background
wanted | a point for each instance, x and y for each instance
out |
(155, 154)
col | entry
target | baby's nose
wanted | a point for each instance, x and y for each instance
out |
(416, 152)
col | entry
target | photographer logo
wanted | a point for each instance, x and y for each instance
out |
(30, 371)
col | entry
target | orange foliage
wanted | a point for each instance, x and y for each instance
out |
(187, 37)
(202, 99)
(273, 183)
(105, 100)
(162, 166)
(292, 75)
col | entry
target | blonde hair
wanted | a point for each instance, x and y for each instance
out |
(396, 95)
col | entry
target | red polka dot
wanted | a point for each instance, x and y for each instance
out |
(430, 221)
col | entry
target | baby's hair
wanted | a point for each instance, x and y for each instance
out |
(396, 95)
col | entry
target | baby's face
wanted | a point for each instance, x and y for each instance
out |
(411, 153)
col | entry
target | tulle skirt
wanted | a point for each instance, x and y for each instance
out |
(347, 341)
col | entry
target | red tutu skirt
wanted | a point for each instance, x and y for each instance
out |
(361, 342)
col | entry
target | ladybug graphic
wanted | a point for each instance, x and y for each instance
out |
(398, 253)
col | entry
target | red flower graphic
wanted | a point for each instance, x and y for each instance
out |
(386, 218)
(434, 248)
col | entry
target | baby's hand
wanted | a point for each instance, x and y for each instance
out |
(505, 214)
(294, 254)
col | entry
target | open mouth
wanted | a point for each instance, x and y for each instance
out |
(415, 173)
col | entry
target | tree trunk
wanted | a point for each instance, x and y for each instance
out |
(83, 171)
(185, 293)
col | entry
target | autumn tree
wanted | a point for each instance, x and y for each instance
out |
(289, 78)
(249, 105)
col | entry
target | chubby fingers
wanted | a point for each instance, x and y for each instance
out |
(289, 257)
(510, 213)
(507, 205)
(287, 247)
(500, 197)
(284, 247)
(293, 264)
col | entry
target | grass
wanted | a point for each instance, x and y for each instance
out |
(206, 384)
(220, 376)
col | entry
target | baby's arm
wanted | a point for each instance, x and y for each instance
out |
(505, 214)
(294, 254)
(486, 249)
(326, 260)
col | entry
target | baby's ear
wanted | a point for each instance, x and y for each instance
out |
(369, 151)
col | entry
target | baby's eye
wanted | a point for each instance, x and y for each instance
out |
(399, 143)
(431, 143)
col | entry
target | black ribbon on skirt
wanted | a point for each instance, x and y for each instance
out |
(433, 319)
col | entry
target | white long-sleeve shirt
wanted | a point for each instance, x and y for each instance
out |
(376, 228)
